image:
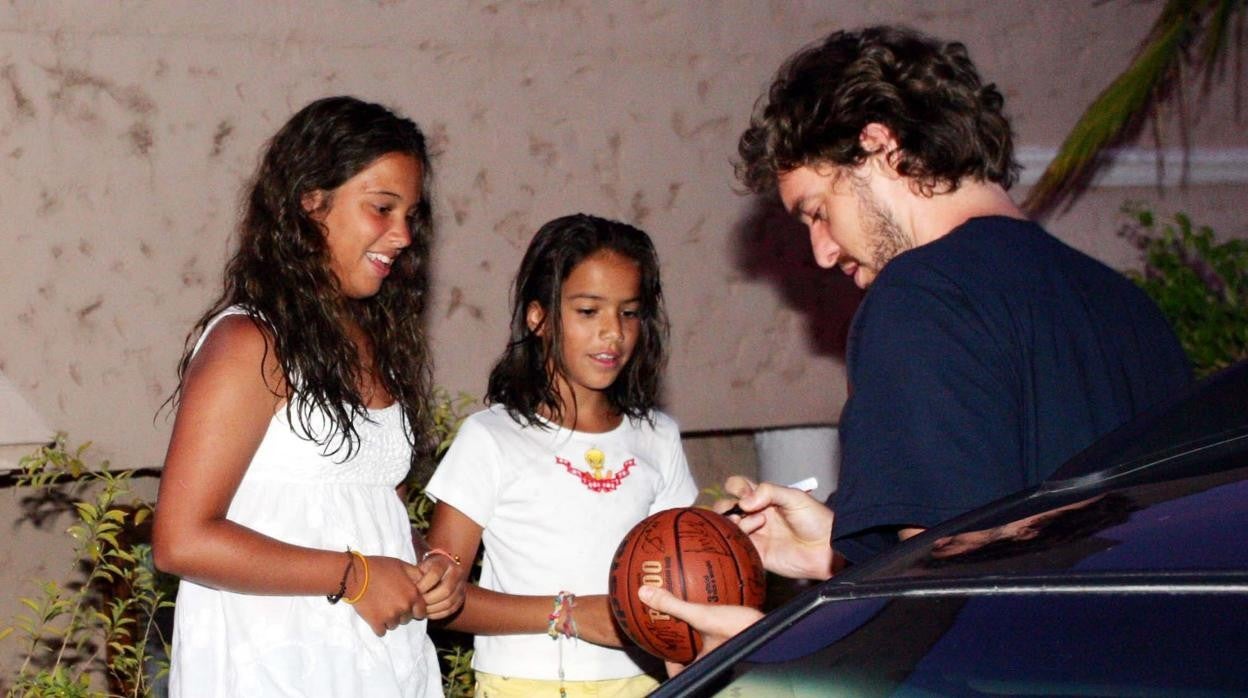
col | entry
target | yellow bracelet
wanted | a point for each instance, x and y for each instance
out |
(364, 586)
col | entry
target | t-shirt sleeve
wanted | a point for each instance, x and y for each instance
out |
(468, 476)
(929, 430)
(677, 488)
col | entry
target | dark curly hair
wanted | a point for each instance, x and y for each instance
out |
(522, 379)
(949, 125)
(280, 274)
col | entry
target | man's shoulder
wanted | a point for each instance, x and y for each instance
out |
(990, 236)
(994, 251)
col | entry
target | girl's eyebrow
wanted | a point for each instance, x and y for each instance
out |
(596, 297)
(383, 192)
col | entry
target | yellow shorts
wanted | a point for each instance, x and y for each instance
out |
(495, 686)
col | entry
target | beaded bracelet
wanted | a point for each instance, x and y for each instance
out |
(342, 586)
(439, 551)
(364, 586)
(565, 599)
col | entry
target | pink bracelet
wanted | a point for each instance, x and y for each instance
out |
(443, 553)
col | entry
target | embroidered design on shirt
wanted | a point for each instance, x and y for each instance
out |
(596, 460)
(598, 478)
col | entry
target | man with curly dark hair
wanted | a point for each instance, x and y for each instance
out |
(985, 353)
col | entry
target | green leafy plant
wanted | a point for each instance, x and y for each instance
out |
(458, 679)
(93, 637)
(1200, 284)
(97, 636)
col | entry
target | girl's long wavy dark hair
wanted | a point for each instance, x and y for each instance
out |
(280, 274)
(523, 379)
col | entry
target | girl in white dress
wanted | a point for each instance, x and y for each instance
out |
(297, 413)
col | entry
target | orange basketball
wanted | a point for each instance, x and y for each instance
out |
(697, 555)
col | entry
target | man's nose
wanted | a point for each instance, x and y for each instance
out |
(826, 251)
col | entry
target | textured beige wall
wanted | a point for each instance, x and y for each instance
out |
(126, 130)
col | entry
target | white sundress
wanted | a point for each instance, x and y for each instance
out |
(228, 644)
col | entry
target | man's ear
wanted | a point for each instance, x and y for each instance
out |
(535, 318)
(878, 139)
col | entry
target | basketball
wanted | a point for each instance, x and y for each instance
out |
(695, 554)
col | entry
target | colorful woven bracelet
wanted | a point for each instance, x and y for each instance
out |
(563, 600)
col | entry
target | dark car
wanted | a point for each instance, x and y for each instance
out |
(1124, 574)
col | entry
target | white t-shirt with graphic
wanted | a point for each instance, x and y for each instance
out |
(554, 505)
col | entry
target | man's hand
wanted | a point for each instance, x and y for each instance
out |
(716, 623)
(791, 529)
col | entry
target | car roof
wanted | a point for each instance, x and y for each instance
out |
(1211, 412)
(1157, 506)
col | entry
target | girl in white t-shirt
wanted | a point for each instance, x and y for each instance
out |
(568, 457)
(298, 408)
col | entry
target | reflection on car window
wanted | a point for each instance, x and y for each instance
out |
(1070, 530)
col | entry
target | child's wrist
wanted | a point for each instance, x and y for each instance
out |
(341, 592)
(357, 583)
(439, 552)
(560, 621)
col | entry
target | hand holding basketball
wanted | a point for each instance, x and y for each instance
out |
(715, 623)
(698, 556)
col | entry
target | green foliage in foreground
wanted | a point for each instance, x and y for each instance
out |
(1200, 284)
(97, 635)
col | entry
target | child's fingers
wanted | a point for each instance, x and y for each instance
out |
(445, 608)
(665, 602)
(391, 597)
(446, 596)
(443, 600)
(430, 572)
(716, 623)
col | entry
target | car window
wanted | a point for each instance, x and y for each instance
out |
(1090, 643)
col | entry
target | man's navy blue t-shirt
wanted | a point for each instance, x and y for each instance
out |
(978, 363)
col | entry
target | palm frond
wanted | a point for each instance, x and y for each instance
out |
(1153, 76)
(1214, 47)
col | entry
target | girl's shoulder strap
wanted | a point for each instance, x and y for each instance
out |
(231, 310)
